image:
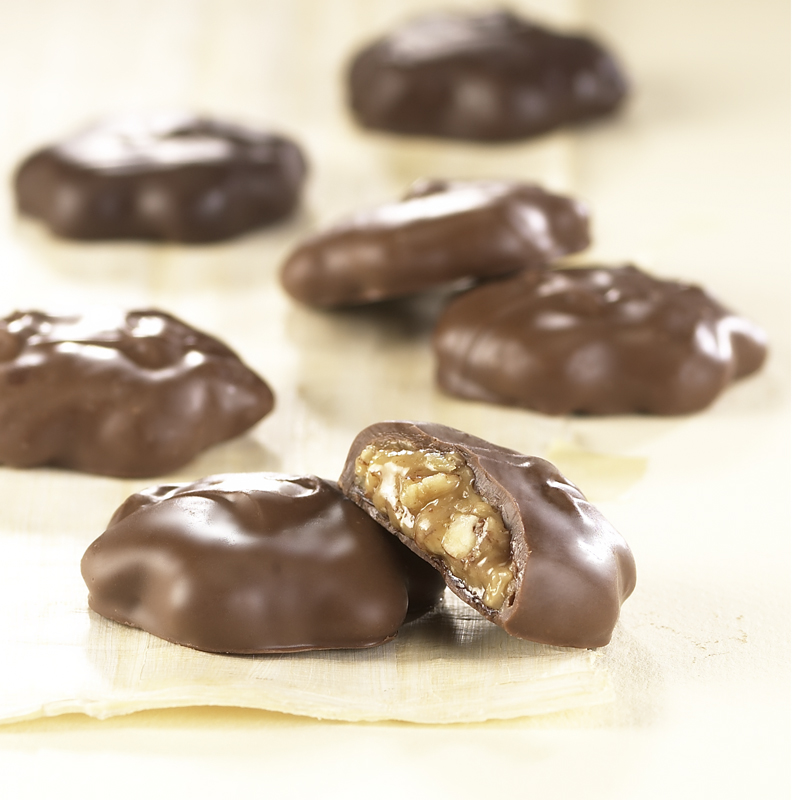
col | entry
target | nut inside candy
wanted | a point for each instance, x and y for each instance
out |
(430, 497)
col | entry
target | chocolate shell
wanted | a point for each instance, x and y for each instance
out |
(441, 233)
(128, 394)
(175, 177)
(251, 563)
(489, 77)
(601, 340)
(571, 569)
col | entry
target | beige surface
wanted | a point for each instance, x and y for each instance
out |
(692, 182)
(450, 666)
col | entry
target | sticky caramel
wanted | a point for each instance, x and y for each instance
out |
(430, 496)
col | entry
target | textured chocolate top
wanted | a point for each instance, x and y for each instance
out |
(165, 176)
(249, 563)
(440, 233)
(488, 77)
(573, 570)
(602, 340)
(129, 394)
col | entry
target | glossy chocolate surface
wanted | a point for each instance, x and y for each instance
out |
(489, 77)
(251, 563)
(601, 340)
(573, 570)
(440, 233)
(129, 394)
(173, 177)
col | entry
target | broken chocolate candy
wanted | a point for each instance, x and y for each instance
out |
(490, 77)
(599, 340)
(511, 535)
(128, 394)
(173, 177)
(253, 563)
(442, 232)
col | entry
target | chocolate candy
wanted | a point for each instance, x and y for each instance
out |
(440, 233)
(511, 535)
(126, 394)
(165, 176)
(600, 340)
(252, 563)
(490, 77)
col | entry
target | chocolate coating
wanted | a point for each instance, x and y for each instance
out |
(490, 77)
(440, 233)
(173, 177)
(129, 394)
(573, 570)
(249, 563)
(599, 340)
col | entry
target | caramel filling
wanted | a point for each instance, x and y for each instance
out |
(430, 497)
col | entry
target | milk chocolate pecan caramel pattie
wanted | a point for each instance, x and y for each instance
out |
(440, 233)
(490, 77)
(129, 394)
(255, 563)
(511, 535)
(173, 177)
(601, 340)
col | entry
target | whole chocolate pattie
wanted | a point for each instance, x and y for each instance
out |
(129, 394)
(441, 232)
(173, 177)
(600, 340)
(253, 563)
(488, 77)
(511, 535)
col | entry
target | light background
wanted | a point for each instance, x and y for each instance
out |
(692, 181)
